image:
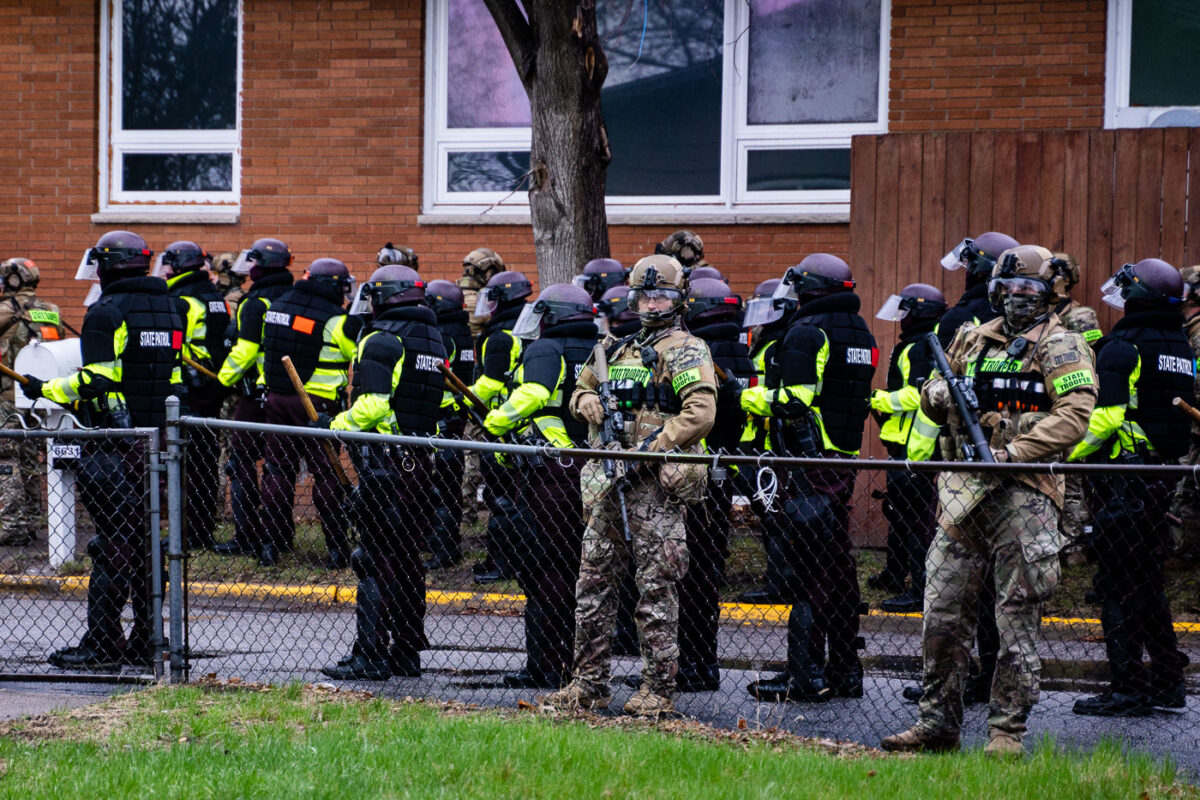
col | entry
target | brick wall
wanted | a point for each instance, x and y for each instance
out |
(978, 65)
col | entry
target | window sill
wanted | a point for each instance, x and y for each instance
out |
(163, 216)
(671, 218)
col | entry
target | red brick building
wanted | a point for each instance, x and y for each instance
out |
(338, 126)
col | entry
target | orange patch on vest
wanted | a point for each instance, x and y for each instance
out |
(303, 324)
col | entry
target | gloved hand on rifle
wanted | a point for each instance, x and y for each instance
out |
(323, 421)
(590, 409)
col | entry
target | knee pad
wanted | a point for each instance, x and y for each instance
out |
(362, 563)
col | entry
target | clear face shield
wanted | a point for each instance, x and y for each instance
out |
(93, 295)
(485, 305)
(1113, 290)
(762, 311)
(361, 307)
(161, 269)
(955, 259)
(243, 263)
(89, 267)
(895, 308)
(529, 324)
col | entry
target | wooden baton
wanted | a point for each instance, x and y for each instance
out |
(1187, 408)
(203, 370)
(326, 445)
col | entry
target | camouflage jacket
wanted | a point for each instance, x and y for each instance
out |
(1081, 319)
(24, 316)
(1065, 364)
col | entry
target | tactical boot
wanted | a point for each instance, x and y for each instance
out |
(84, 657)
(576, 695)
(404, 663)
(906, 603)
(847, 682)
(803, 680)
(1113, 704)
(1004, 744)
(532, 679)
(235, 547)
(784, 686)
(647, 703)
(913, 693)
(1169, 697)
(359, 668)
(705, 678)
(919, 740)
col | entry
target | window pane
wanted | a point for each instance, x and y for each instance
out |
(1164, 67)
(177, 172)
(797, 170)
(488, 172)
(662, 97)
(179, 64)
(483, 89)
(813, 61)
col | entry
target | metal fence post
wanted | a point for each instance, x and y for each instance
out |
(175, 540)
(153, 527)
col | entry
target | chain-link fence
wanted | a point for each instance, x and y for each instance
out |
(327, 572)
(79, 512)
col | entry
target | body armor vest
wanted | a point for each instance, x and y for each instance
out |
(843, 397)
(294, 325)
(730, 354)
(456, 331)
(256, 303)
(1003, 384)
(973, 305)
(417, 399)
(1168, 371)
(633, 385)
(566, 347)
(216, 312)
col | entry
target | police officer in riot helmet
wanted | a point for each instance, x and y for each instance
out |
(817, 391)
(444, 540)
(977, 256)
(131, 346)
(397, 389)
(1144, 363)
(599, 275)
(614, 314)
(266, 263)
(706, 273)
(184, 266)
(499, 351)
(544, 513)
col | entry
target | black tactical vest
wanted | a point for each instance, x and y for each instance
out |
(294, 326)
(266, 290)
(919, 362)
(730, 354)
(153, 346)
(1168, 366)
(973, 305)
(417, 401)
(216, 313)
(456, 331)
(568, 346)
(844, 396)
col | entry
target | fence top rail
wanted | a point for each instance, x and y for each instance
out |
(79, 433)
(714, 459)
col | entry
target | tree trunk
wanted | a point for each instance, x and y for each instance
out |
(562, 65)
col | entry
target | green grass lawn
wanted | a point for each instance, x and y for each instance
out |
(219, 741)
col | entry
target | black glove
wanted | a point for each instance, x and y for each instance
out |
(729, 392)
(323, 421)
(33, 389)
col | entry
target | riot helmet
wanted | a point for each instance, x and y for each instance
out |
(331, 274)
(561, 302)
(117, 254)
(685, 246)
(263, 256)
(443, 297)
(1025, 283)
(710, 300)
(613, 309)
(915, 303)
(655, 278)
(818, 275)
(19, 273)
(503, 291)
(389, 286)
(180, 257)
(480, 266)
(601, 274)
(391, 254)
(705, 272)
(978, 255)
(1149, 284)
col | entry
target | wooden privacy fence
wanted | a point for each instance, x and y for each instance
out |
(1107, 197)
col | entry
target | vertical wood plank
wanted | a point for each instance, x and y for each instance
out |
(1192, 245)
(862, 201)
(980, 195)
(933, 208)
(1124, 205)
(1048, 227)
(886, 210)
(1005, 180)
(1174, 195)
(1030, 180)
(908, 238)
(1076, 195)
(1101, 150)
(958, 192)
(1147, 242)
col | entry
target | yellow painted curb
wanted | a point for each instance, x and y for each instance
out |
(746, 613)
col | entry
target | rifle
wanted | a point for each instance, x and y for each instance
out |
(977, 448)
(610, 431)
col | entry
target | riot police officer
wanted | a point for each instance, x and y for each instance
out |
(1185, 507)
(24, 317)
(397, 390)
(501, 302)
(445, 539)
(1143, 364)
(977, 256)
(1036, 388)
(131, 344)
(664, 378)
(599, 275)
(817, 394)
(614, 314)
(206, 316)
(910, 503)
(266, 263)
(310, 324)
(559, 332)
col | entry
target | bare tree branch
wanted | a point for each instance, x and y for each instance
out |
(518, 35)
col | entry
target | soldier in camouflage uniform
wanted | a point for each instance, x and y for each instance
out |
(665, 377)
(1184, 517)
(1037, 385)
(23, 317)
(230, 285)
(686, 248)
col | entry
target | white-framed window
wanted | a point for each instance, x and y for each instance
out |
(715, 109)
(170, 110)
(1152, 75)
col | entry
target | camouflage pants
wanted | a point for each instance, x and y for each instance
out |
(1015, 529)
(659, 550)
(1074, 514)
(472, 476)
(1185, 506)
(20, 490)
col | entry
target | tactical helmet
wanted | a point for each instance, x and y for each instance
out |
(710, 299)
(979, 255)
(223, 263)
(561, 302)
(614, 308)
(685, 246)
(504, 289)
(480, 266)
(1069, 268)
(265, 254)
(180, 257)
(443, 297)
(654, 277)
(332, 274)
(705, 272)
(19, 273)
(601, 274)
(1191, 283)
(1150, 282)
(1025, 282)
(388, 286)
(115, 252)
(917, 300)
(391, 254)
